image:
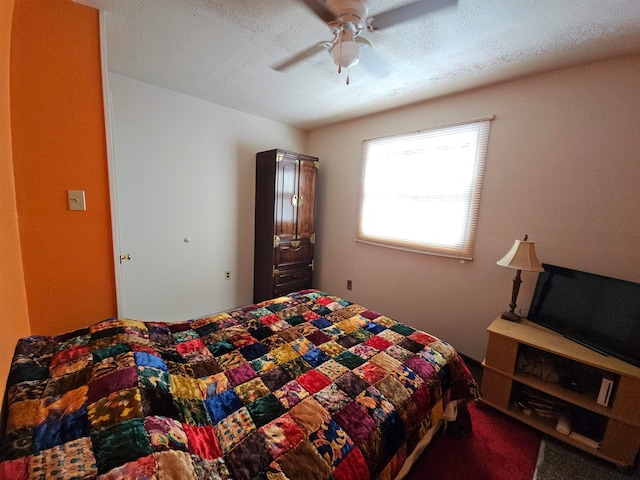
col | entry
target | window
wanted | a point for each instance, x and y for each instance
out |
(420, 191)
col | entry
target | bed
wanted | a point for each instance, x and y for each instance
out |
(305, 386)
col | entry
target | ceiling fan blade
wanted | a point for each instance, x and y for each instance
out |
(320, 10)
(309, 52)
(370, 60)
(408, 12)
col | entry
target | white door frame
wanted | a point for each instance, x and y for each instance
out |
(111, 164)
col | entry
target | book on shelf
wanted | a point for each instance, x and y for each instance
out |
(543, 405)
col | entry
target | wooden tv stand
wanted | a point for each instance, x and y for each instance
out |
(618, 440)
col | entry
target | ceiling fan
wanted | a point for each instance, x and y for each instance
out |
(347, 19)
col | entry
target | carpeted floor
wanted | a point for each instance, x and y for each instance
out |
(558, 461)
(498, 448)
(501, 448)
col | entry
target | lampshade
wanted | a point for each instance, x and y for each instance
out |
(346, 53)
(521, 256)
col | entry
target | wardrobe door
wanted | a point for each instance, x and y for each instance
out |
(307, 199)
(286, 201)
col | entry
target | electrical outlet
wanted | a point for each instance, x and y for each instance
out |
(227, 275)
(349, 284)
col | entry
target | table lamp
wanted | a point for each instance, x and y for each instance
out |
(521, 256)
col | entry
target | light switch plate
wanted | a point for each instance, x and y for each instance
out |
(76, 200)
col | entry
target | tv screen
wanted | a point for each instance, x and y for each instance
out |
(600, 312)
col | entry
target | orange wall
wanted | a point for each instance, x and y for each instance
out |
(14, 319)
(58, 135)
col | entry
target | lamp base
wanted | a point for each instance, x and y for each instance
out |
(510, 316)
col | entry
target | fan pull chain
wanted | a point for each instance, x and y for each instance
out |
(340, 61)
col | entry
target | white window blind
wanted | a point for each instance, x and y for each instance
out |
(421, 191)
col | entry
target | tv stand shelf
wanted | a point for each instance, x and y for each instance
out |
(618, 440)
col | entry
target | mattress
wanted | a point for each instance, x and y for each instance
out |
(305, 386)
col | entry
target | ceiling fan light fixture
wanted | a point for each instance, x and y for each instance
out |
(346, 54)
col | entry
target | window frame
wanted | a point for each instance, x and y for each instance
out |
(463, 249)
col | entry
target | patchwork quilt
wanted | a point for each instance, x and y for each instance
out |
(306, 386)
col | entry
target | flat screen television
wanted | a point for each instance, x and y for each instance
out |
(599, 312)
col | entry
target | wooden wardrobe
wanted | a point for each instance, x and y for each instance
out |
(285, 223)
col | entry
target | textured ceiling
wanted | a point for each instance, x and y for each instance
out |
(221, 50)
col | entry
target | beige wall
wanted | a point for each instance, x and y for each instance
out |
(563, 166)
(14, 320)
